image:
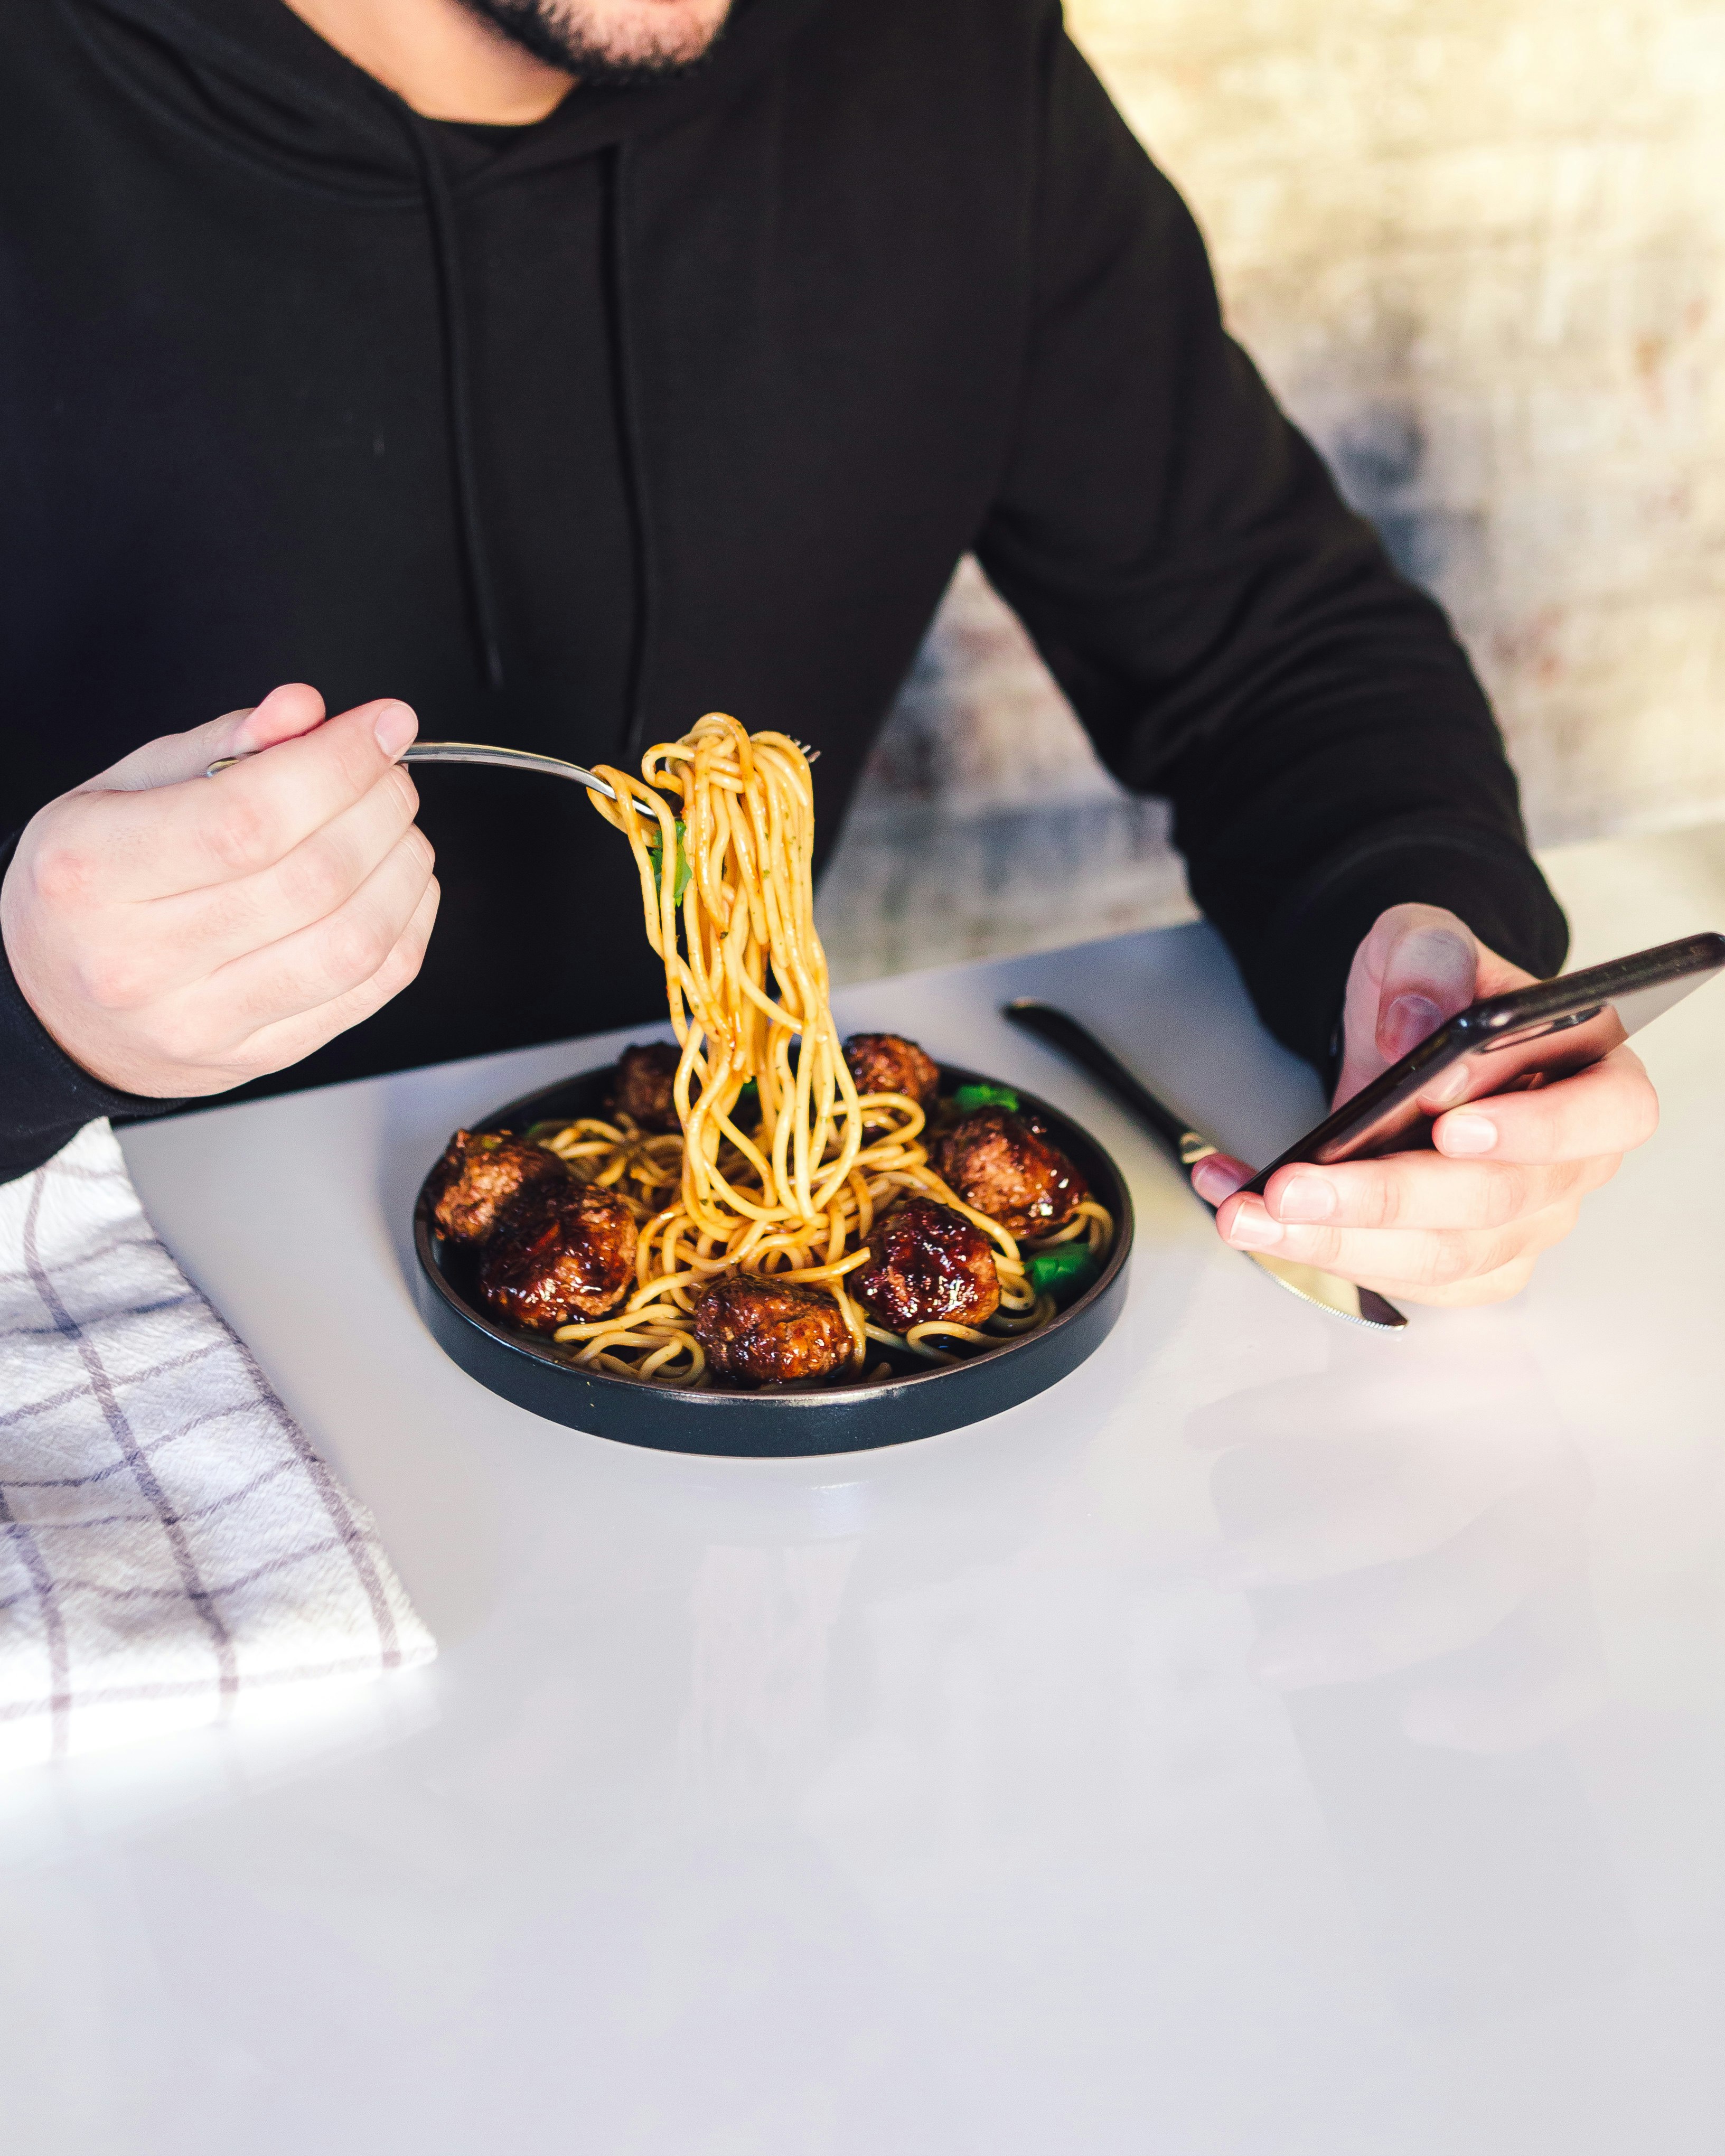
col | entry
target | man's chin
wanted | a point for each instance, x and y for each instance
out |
(611, 42)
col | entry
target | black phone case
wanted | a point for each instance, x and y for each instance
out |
(1511, 1041)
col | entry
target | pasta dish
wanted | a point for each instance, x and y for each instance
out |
(764, 1203)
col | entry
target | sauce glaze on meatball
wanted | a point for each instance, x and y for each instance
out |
(888, 1063)
(643, 1087)
(926, 1262)
(759, 1331)
(482, 1173)
(563, 1251)
(1008, 1166)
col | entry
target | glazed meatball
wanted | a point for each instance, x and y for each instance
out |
(759, 1330)
(479, 1175)
(563, 1251)
(926, 1261)
(887, 1063)
(643, 1089)
(1007, 1166)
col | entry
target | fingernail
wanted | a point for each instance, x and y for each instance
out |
(1214, 1182)
(1469, 1133)
(1253, 1229)
(394, 727)
(1450, 1085)
(1409, 1020)
(1306, 1198)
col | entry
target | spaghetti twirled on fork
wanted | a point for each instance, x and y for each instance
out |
(781, 1167)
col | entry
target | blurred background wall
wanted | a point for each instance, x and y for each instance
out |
(1478, 247)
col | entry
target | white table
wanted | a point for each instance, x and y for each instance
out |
(953, 1797)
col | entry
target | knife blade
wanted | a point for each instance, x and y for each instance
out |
(1342, 1298)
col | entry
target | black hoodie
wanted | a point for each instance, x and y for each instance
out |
(687, 397)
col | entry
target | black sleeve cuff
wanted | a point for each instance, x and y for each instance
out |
(45, 1097)
(1298, 975)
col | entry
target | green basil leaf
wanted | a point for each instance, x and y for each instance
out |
(656, 850)
(1064, 1272)
(969, 1098)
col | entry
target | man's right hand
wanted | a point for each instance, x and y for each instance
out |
(178, 934)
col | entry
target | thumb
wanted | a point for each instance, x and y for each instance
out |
(1418, 966)
(290, 710)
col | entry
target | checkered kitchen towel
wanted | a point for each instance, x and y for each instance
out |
(169, 1541)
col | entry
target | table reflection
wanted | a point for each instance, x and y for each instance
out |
(1408, 1529)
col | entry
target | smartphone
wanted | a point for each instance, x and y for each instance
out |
(1507, 1043)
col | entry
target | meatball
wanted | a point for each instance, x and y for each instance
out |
(887, 1063)
(479, 1175)
(563, 1251)
(926, 1261)
(1005, 1166)
(643, 1089)
(764, 1332)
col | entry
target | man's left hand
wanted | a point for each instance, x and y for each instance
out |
(1465, 1223)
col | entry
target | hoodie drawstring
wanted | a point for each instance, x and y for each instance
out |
(634, 476)
(452, 309)
(440, 211)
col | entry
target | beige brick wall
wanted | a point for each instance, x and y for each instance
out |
(1478, 246)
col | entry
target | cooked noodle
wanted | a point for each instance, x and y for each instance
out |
(791, 1185)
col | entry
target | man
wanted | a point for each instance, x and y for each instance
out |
(553, 370)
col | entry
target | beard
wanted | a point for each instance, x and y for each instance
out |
(611, 43)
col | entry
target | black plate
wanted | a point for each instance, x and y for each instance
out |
(917, 1401)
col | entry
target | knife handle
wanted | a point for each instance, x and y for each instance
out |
(1182, 1145)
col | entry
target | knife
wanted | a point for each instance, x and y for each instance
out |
(1342, 1298)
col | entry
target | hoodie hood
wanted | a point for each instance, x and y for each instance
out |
(252, 76)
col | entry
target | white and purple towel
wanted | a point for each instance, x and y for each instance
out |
(170, 1542)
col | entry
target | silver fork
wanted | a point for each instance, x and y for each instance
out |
(512, 759)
